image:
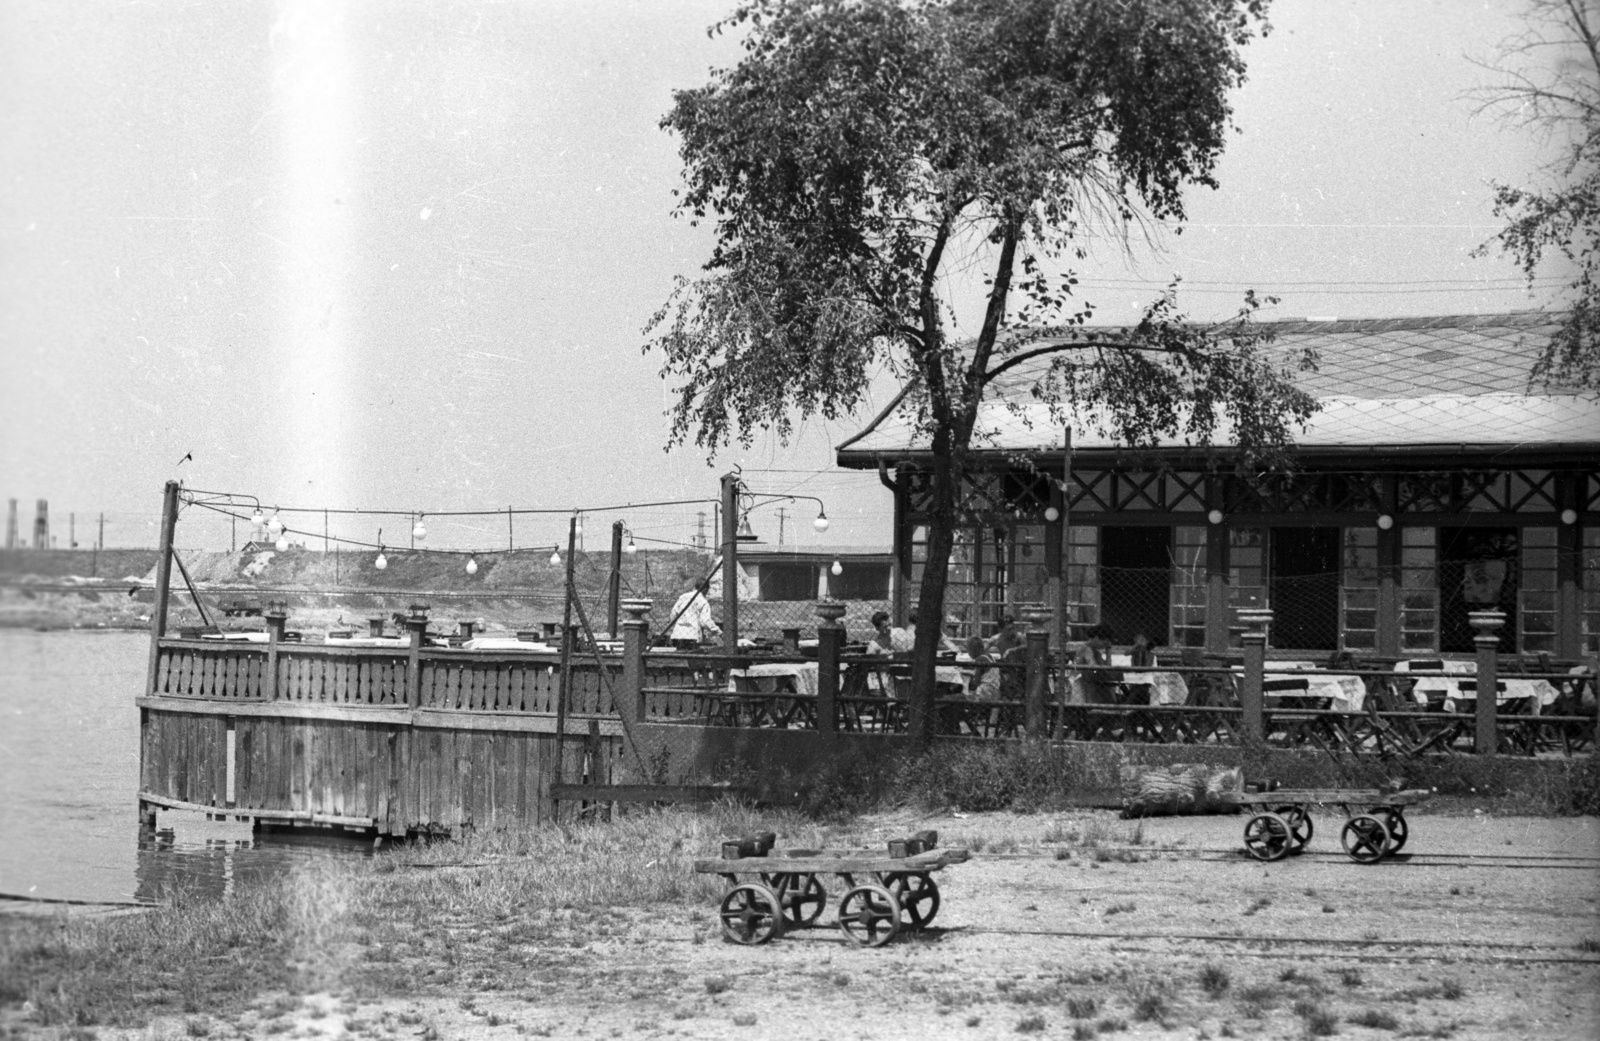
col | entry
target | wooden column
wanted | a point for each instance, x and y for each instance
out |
(416, 625)
(1569, 565)
(1389, 591)
(614, 583)
(1487, 642)
(1254, 640)
(158, 612)
(635, 638)
(277, 618)
(1217, 613)
(1038, 682)
(830, 639)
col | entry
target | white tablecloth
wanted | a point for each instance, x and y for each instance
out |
(1450, 688)
(505, 643)
(803, 675)
(236, 637)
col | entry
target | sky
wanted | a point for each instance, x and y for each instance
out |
(399, 255)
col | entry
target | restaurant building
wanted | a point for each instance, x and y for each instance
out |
(1433, 481)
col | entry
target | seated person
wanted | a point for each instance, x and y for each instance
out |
(985, 682)
(947, 645)
(889, 639)
(1007, 638)
(1099, 680)
(1142, 656)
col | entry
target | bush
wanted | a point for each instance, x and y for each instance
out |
(1214, 980)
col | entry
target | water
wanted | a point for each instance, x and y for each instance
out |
(69, 776)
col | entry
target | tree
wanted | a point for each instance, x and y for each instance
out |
(861, 148)
(1549, 81)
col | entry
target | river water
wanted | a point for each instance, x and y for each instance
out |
(69, 775)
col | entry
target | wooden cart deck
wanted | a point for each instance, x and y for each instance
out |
(901, 892)
(1283, 825)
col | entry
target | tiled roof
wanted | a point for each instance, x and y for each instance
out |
(1409, 382)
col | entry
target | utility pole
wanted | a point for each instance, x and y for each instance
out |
(700, 532)
(511, 534)
(730, 563)
(72, 530)
(233, 534)
(614, 593)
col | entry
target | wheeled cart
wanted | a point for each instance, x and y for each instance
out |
(1375, 827)
(885, 892)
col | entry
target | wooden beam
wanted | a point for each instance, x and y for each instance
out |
(642, 792)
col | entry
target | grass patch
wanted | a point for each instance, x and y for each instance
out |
(1085, 1007)
(1214, 980)
(1376, 1019)
(1261, 904)
(1030, 1024)
(1589, 945)
(1151, 998)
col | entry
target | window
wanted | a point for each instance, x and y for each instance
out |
(860, 581)
(1419, 590)
(1189, 586)
(1536, 613)
(1359, 589)
(788, 581)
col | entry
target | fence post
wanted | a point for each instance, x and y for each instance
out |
(1038, 617)
(635, 636)
(277, 618)
(416, 625)
(830, 639)
(1254, 641)
(1487, 643)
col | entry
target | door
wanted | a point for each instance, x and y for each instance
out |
(1136, 582)
(1304, 576)
(1477, 572)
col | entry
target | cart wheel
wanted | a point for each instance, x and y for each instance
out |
(1395, 821)
(1365, 839)
(869, 915)
(803, 899)
(1300, 826)
(750, 914)
(1267, 836)
(918, 894)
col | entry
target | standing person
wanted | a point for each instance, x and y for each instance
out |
(692, 623)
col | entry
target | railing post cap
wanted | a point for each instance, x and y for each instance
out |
(276, 611)
(1487, 622)
(830, 611)
(636, 610)
(1037, 615)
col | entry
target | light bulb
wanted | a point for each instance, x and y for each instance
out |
(1385, 521)
(837, 569)
(1569, 516)
(275, 526)
(821, 523)
(630, 547)
(420, 530)
(555, 559)
(472, 565)
(256, 518)
(1052, 514)
(382, 561)
(1215, 516)
(282, 544)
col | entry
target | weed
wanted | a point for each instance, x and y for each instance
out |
(1123, 908)
(1328, 909)
(745, 1019)
(493, 1019)
(1086, 1007)
(1030, 1024)
(1321, 1023)
(197, 1028)
(973, 1021)
(1083, 1031)
(1450, 989)
(1111, 1025)
(1589, 945)
(1150, 998)
(1294, 975)
(1226, 1030)
(1455, 890)
(1351, 977)
(717, 984)
(841, 980)
(1214, 980)
(1063, 854)
(1376, 1018)
(1261, 904)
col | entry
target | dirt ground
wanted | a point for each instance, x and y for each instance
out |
(1489, 929)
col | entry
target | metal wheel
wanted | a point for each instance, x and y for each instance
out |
(1268, 837)
(751, 914)
(870, 915)
(802, 897)
(1300, 826)
(918, 894)
(1395, 821)
(1365, 838)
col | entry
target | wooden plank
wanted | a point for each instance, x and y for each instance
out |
(279, 709)
(1286, 796)
(933, 860)
(644, 792)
